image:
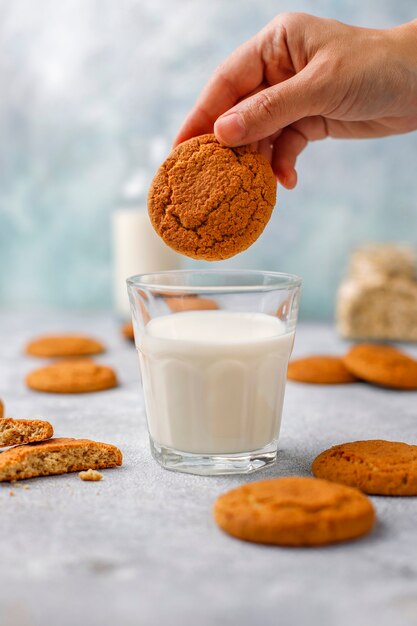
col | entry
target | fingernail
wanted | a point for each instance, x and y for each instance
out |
(230, 128)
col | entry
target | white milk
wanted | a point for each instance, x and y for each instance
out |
(214, 381)
(137, 249)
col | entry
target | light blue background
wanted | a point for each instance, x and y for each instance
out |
(89, 91)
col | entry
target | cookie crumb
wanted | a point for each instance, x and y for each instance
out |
(11, 493)
(90, 475)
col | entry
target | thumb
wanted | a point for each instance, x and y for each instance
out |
(266, 112)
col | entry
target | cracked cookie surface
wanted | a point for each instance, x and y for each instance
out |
(294, 511)
(211, 202)
(386, 468)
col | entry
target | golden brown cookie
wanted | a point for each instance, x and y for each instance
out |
(211, 202)
(127, 331)
(78, 376)
(294, 512)
(14, 432)
(320, 370)
(382, 365)
(190, 303)
(64, 346)
(386, 468)
(57, 456)
(1, 409)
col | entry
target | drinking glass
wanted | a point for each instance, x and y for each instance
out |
(213, 348)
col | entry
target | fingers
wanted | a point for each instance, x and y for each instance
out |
(286, 150)
(289, 145)
(240, 75)
(272, 109)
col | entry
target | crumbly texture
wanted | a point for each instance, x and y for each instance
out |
(320, 370)
(211, 202)
(382, 365)
(294, 512)
(127, 331)
(56, 456)
(386, 468)
(190, 303)
(378, 308)
(14, 432)
(387, 260)
(1, 409)
(90, 475)
(64, 346)
(78, 376)
(378, 299)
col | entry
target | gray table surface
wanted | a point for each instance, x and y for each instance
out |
(141, 548)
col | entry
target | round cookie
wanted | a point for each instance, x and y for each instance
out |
(211, 202)
(294, 512)
(64, 346)
(77, 376)
(190, 303)
(386, 468)
(320, 370)
(382, 365)
(127, 331)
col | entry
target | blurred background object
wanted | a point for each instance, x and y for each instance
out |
(93, 91)
(137, 249)
(378, 299)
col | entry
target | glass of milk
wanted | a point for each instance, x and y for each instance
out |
(213, 348)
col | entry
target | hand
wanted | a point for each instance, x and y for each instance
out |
(304, 78)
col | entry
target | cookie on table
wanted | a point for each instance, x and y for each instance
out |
(387, 468)
(1, 409)
(14, 432)
(177, 304)
(127, 331)
(294, 511)
(382, 365)
(66, 345)
(72, 376)
(320, 370)
(210, 202)
(57, 456)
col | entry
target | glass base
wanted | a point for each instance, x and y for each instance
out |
(212, 465)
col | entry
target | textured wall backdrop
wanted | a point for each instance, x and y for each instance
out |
(90, 93)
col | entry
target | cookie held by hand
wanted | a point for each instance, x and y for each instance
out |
(210, 202)
(294, 511)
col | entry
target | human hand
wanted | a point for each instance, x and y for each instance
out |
(304, 78)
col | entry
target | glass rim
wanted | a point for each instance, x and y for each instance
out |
(283, 281)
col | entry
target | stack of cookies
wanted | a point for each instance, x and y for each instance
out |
(33, 452)
(378, 299)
